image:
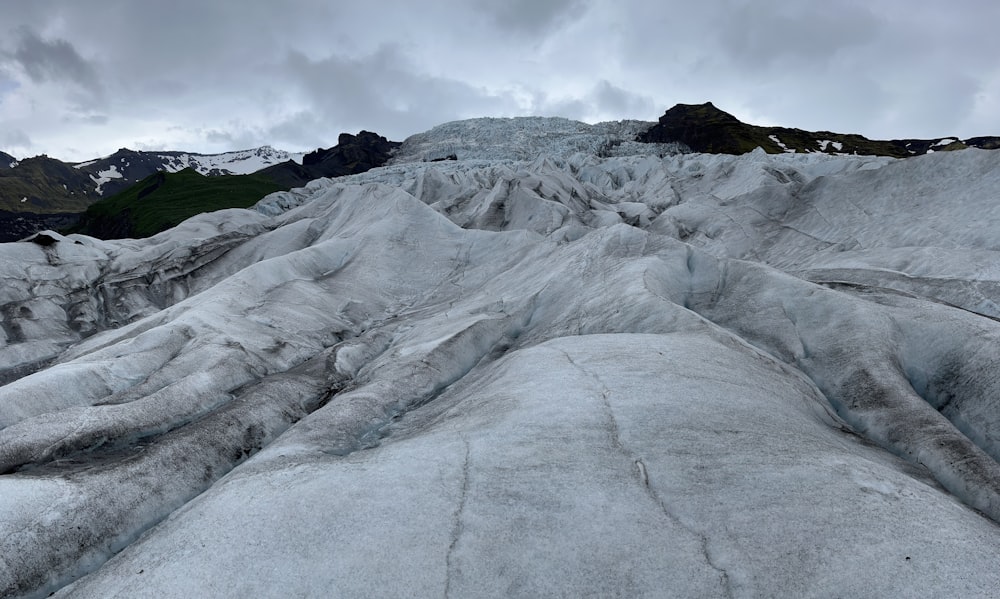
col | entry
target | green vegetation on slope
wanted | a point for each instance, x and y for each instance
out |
(45, 185)
(164, 200)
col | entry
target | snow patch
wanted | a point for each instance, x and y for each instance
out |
(104, 176)
(242, 162)
(775, 139)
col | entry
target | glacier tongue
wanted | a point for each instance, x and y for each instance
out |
(579, 374)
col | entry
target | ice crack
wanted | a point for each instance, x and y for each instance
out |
(457, 526)
(642, 476)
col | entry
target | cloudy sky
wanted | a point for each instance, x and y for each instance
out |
(80, 79)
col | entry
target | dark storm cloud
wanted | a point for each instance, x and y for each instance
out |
(56, 61)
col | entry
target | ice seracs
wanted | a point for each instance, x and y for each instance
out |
(582, 373)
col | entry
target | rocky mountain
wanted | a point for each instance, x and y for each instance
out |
(611, 372)
(46, 185)
(705, 128)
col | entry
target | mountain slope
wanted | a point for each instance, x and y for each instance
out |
(705, 128)
(43, 184)
(164, 200)
(581, 374)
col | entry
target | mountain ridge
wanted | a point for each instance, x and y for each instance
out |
(706, 128)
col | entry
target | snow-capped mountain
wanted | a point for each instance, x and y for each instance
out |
(45, 185)
(125, 167)
(559, 364)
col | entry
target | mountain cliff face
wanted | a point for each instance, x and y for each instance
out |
(612, 372)
(705, 128)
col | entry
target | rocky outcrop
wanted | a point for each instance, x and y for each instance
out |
(353, 154)
(18, 225)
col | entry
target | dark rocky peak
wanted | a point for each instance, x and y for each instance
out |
(364, 148)
(353, 154)
(705, 128)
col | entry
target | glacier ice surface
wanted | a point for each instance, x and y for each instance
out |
(563, 364)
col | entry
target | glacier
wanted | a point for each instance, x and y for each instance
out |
(565, 364)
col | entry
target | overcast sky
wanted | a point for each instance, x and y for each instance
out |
(80, 79)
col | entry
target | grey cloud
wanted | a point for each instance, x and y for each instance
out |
(795, 33)
(306, 130)
(238, 137)
(614, 100)
(386, 91)
(7, 82)
(939, 106)
(15, 142)
(217, 136)
(57, 61)
(605, 101)
(531, 17)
